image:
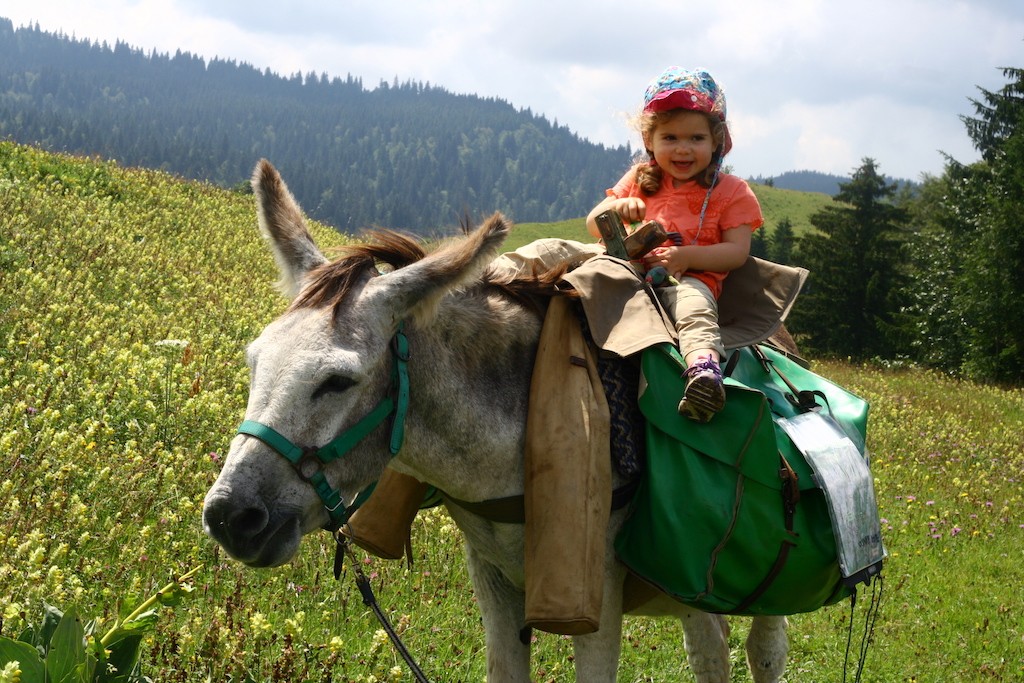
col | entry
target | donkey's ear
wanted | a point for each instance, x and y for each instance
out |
(416, 290)
(283, 226)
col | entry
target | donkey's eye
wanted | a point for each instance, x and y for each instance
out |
(335, 384)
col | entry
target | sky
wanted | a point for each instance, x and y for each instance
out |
(811, 84)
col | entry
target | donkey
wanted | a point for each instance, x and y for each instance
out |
(328, 361)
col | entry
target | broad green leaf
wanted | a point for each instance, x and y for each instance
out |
(67, 650)
(141, 623)
(174, 596)
(124, 652)
(29, 661)
(51, 617)
(28, 635)
(89, 667)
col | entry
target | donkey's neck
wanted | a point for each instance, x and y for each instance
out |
(470, 381)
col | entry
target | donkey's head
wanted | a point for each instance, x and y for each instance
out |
(317, 371)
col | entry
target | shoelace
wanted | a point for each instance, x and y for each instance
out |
(702, 364)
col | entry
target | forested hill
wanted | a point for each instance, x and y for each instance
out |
(805, 181)
(815, 181)
(402, 155)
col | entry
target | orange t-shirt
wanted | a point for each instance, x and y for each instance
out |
(732, 205)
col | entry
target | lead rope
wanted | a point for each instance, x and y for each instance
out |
(869, 627)
(370, 600)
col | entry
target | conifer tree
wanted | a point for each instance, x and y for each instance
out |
(759, 243)
(997, 115)
(855, 258)
(991, 281)
(782, 242)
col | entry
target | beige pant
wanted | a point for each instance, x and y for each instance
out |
(695, 310)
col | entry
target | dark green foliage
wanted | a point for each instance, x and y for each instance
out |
(782, 242)
(998, 116)
(855, 257)
(993, 275)
(990, 285)
(934, 313)
(968, 255)
(62, 649)
(759, 243)
(403, 155)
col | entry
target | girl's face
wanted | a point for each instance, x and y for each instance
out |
(682, 145)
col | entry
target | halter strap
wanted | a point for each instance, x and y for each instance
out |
(309, 462)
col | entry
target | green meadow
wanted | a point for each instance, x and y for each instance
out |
(127, 298)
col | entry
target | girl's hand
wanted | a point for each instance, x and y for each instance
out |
(630, 209)
(672, 259)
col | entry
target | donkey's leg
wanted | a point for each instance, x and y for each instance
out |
(706, 637)
(597, 654)
(767, 647)
(502, 607)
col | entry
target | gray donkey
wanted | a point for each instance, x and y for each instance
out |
(327, 362)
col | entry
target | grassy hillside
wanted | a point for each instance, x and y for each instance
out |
(126, 301)
(778, 204)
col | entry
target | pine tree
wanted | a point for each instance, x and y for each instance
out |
(998, 117)
(991, 284)
(855, 259)
(759, 243)
(782, 242)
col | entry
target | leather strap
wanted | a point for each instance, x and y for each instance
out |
(512, 509)
(802, 400)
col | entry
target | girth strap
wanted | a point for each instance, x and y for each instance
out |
(512, 509)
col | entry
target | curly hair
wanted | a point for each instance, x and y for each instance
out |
(649, 175)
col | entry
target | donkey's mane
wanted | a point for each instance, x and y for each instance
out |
(329, 285)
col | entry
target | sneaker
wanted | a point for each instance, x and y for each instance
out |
(704, 395)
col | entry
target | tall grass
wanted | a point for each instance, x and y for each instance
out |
(778, 204)
(126, 301)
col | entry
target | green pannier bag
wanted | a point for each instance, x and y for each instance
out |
(728, 517)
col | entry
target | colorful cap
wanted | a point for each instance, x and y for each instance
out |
(679, 88)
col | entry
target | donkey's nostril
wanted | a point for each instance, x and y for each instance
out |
(248, 522)
(229, 523)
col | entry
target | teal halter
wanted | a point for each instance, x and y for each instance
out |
(309, 462)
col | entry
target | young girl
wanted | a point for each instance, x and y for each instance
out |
(709, 214)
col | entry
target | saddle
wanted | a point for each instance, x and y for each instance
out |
(568, 456)
(625, 319)
(777, 509)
